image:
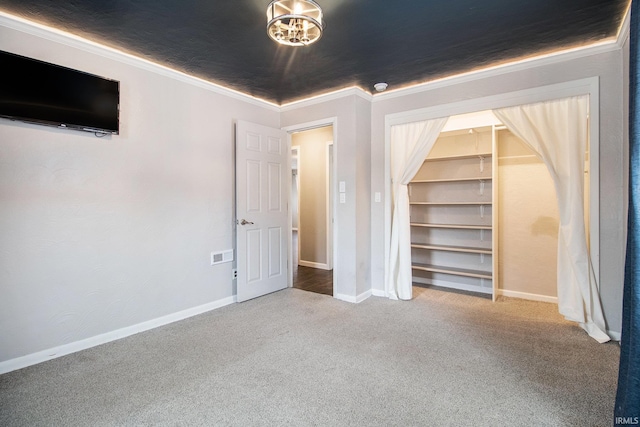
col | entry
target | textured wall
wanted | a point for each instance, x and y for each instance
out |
(104, 233)
(529, 220)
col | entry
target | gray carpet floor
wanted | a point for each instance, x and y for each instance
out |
(295, 358)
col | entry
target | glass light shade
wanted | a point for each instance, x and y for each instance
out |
(294, 22)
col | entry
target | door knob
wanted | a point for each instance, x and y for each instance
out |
(245, 222)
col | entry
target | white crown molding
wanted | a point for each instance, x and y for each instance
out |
(67, 39)
(603, 46)
(625, 28)
(319, 99)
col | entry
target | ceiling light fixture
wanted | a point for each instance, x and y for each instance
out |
(294, 22)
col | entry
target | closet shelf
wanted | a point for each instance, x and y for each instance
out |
(451, 201)
(448, 248)
(525, 156)
(426, 181)
(458, 157)
(452, 270)
(468, 203)
(452, 226)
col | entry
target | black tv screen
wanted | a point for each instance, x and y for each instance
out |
(39, 92)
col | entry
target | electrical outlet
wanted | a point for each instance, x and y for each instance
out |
(234, 274)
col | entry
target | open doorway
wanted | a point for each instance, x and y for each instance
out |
(312, 209)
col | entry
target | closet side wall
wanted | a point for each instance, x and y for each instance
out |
(528, 218)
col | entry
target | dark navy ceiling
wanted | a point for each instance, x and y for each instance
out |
(400, 42)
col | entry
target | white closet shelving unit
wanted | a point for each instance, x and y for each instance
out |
(453, 228)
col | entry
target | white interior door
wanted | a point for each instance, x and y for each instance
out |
(261, 209)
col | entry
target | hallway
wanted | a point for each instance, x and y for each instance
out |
(307, 278)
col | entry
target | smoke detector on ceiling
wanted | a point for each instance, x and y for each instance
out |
(380, 87)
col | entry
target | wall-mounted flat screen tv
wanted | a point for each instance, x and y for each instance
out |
(39, 92)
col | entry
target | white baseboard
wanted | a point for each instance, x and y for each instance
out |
(503, 292)
(379, 293)
(616, 336)
(450, 285)
(63, 350)
(314, 265)
(525, 295)
(343, 297)
(363, 296)
(353, 299)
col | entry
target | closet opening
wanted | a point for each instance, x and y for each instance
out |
(560, 123)
(484, 215)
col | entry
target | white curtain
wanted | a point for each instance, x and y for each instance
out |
(557, 132)
(410, 144)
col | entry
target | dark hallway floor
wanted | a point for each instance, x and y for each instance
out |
(310, 279)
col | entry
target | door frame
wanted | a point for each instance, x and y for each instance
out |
(296, 148)
(290, 266)
(330, 180)
(300, 127)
